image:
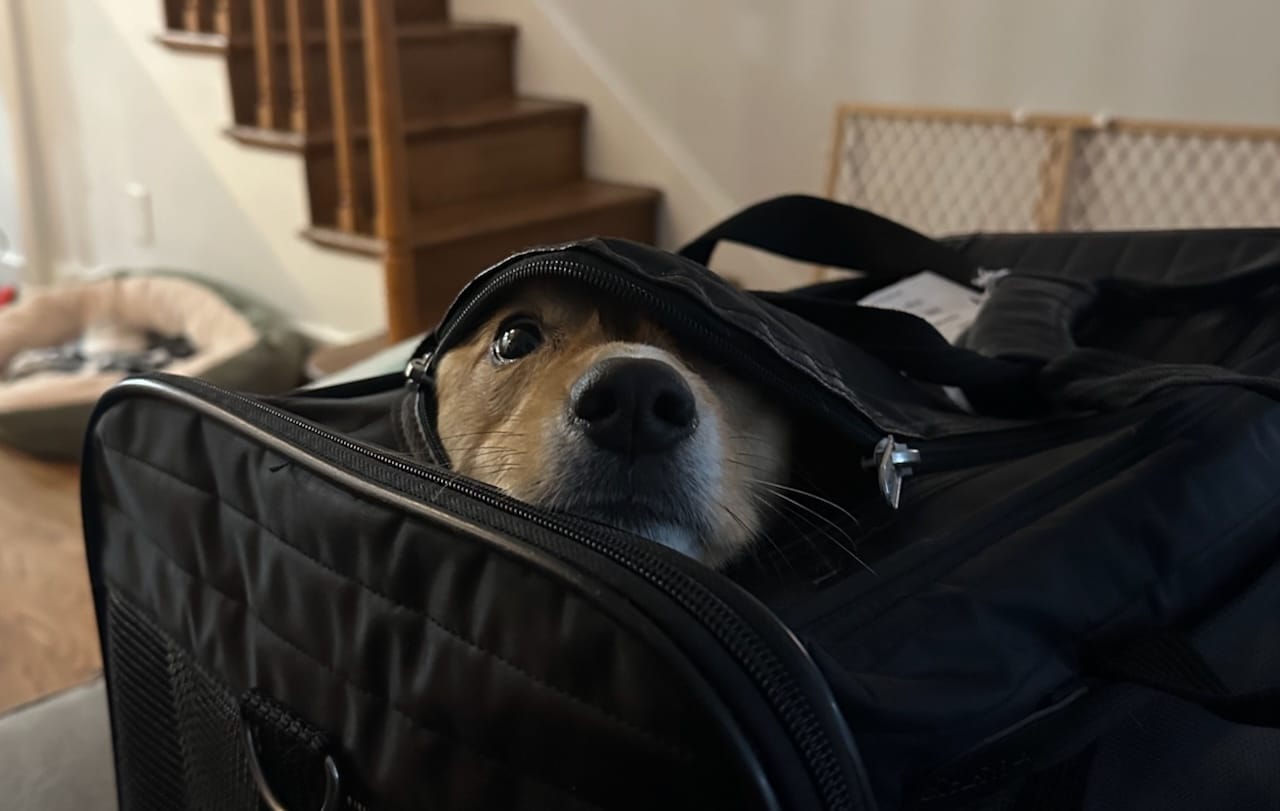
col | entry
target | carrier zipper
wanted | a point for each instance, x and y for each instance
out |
(894, 459)
(870, 603)
(612, 283)
(415, 371)
(616, 285)
(418, 371)
(893, 462)
(739, 638)
(911, 455)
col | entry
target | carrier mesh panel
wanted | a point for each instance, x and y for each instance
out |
(179, 740)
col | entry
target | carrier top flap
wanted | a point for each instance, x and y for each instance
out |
(803, 364)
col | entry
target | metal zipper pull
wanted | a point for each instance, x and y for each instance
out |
(986, 280)
(415, 371)
(892, 461)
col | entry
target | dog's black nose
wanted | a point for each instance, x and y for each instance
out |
(634, 405)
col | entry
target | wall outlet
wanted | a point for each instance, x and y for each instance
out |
(141, 219)
(12, 265)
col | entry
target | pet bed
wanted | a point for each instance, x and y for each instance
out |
(231, 340)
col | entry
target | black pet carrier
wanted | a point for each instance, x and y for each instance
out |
(1069, 519)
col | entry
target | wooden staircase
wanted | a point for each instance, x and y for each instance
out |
(417, 148)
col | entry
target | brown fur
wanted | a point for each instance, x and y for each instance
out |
(507, 423)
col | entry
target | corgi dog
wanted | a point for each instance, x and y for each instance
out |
(586, 407)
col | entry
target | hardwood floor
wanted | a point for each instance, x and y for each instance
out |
(48, 638)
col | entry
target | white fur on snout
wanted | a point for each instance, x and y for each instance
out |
(694, 490)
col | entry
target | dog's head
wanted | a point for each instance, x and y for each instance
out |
(577, 405)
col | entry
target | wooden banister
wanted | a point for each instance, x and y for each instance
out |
(339, 77)
(391, 196)
(296, 23)
(265, 56)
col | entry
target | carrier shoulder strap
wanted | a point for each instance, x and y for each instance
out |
(824, 232)
(820, 231)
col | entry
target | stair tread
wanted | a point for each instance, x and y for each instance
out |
(196, 41)
(495, 112)
(455, 221)
(427, 29)
(285, 140)
(434, 28)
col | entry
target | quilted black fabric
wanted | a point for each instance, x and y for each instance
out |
(455, 675)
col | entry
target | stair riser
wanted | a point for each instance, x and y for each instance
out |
(500, 160)
(461, 164)
(442, 270)
(439, 75)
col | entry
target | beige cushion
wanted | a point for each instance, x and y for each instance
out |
(171, 306)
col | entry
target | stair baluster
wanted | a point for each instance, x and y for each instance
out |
(339, 81)
(387, 136)
(193, 15)
(265, 57)
(222, 18)
(296, 22)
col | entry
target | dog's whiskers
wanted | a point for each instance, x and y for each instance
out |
(754, 440)
(755, 468)
(762, 535)
(847, 546)
(801, 533)
(807, 494)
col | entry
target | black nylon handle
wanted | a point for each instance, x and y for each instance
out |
(824, 232)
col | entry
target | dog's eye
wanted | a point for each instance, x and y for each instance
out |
(516, 338)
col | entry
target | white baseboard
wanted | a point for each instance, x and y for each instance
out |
(326, 335)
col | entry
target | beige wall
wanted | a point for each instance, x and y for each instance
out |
(13, 226)
(112, 107)
(738, 95)
(10, 225)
